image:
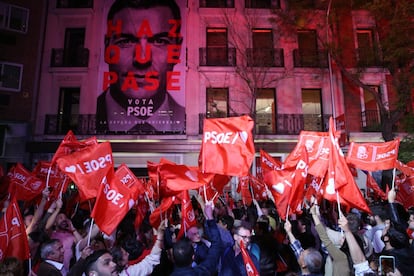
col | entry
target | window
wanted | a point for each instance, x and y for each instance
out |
(308, 48)
(312, 109)
(13, 18)
(68, 108)
(367, 55)
(370, 111)
(74, 45)
(265, 111)
(217, 48)
(263, 52)
(11, 76)
(217, 102)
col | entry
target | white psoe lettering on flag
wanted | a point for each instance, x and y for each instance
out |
(90, 166)
(112, 195)
(225, 138)
(385, 154)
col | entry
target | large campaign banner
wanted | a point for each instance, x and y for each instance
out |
(143, 83)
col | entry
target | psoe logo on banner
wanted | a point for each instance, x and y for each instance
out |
(215, 137)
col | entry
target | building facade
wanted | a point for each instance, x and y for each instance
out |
(232, 58)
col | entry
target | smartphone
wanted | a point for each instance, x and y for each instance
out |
(386, 264)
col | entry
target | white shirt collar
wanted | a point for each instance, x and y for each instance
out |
(58, 265)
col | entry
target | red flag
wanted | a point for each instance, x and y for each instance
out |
(244, 190)
(162, 211)
(313, 188)
(258, 187)
(339, 178)
(181, 177)
(405, 191)
(317, 146)
(188, 219)
(227, 147)
(161, 187)
(54, 178)
(214, 188)
(373, 156)
(142, 208)
(117, 195)
(279, 184)
(406, 169)
(373, 185)
(267, 162)
(70, 144)
(24, 184)
(87, 168)
(251, 269)
(153, 172)
(297, 192)
(287, 186)
(13, 238)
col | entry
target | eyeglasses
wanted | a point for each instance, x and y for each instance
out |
(244, 237)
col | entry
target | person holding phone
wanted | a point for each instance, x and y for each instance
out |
(396, 241)
(386, 264)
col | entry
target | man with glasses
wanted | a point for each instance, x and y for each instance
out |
(231, 262)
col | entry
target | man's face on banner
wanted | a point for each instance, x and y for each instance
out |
(129, 42)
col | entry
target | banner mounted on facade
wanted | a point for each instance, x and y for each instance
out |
(143, 85)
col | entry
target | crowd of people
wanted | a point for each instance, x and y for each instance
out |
(322, 240)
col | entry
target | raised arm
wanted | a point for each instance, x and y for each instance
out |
(55, 212)
(214, 252)
(356, 252)
(38, 214)
(146, 266)
(333, 251)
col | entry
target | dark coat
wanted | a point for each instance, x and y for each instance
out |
(48, 269)
(209, 265)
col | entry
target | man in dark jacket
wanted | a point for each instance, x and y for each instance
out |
(183, 251)
(51, 253)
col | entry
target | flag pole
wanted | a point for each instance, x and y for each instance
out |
(339, 204)
(48, 175)
(393, 179)
(205, 193)
(90, 232)
(287, 212)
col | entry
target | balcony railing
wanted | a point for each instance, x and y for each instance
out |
(288, 124)
(69, 58)
(262, 57)
(85, 124)
(217, 56)
(370, 121)
(74, 4)
(216, 3)
(368, 57)
(320, 59)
